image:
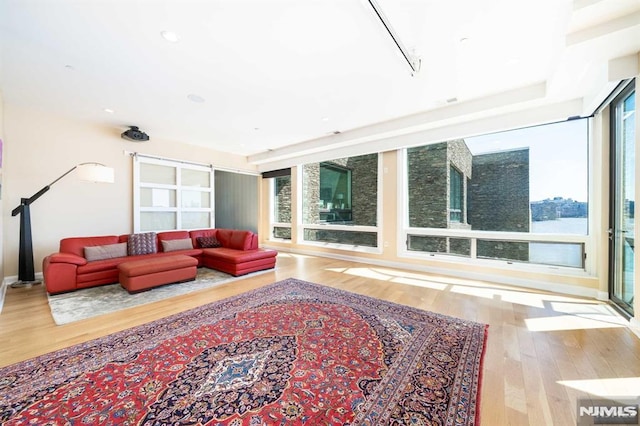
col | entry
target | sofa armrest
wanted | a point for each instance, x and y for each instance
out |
(254, 242)
(60, 272)
(67, 258)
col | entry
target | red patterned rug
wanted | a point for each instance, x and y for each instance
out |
(292, 353)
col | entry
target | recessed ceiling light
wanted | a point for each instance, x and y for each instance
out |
(70, 67)
(195, 98)
(108, 110)
(170, 36)
(325, 118)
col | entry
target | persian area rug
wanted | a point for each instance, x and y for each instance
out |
(290, 353)
(94, 301)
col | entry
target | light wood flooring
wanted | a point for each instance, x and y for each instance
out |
(544, 351)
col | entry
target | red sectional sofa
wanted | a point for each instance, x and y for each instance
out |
(69, 269)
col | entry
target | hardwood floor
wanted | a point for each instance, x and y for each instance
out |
(544, 351)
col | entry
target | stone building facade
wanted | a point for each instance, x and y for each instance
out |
(282, 206)
(496, 197)
(499, 201)
(429, 181)
(361, 209)
(499, 195)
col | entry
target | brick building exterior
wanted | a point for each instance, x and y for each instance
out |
(429, 178)
(361, 209)
(282, 212)
(499, 201)
(496, 197)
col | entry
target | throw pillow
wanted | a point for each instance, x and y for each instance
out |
(144, 243)
(208, 242)
(108, 251)
(173, 245)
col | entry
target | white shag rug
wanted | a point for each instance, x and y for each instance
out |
(90, 302)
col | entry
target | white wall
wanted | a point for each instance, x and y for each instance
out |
(40, 146)
(1, 195)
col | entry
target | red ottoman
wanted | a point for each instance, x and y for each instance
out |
(143, 274)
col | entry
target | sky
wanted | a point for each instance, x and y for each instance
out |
(558, 157)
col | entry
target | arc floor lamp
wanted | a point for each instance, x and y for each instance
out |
(89, 172)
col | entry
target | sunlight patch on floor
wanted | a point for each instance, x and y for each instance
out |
(393, 276)
(363, 272)
(580, 313)
(338, 270)
(414, 278)
(623, 387)
(487, 293)
(295, 255)
(596, 311)
(519, 297)
(523, 298)
(570, 322)
(421, 283)
(515, 397)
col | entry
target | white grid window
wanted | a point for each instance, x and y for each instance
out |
(170, 195)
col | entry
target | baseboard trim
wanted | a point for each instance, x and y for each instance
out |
(3, 289)
(7, 281)
(517, 282)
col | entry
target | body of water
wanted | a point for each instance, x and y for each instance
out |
(567, 225)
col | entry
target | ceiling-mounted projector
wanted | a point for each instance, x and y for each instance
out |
(135, 135)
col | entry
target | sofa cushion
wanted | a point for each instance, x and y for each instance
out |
(202, 233)
(173, 245)
(107, 276)
(109, 251)
(223, 235)
(208, 242)
(99, 265)
(144, 243)
(134, 268)
(76, 245)
(240, 240)
(237, 256)
(173, 235)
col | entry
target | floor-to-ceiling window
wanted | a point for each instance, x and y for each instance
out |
(518, 196)
(623, 188)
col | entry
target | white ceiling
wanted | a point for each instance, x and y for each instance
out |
(280, 77)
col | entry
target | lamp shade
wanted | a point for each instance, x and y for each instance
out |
(95, 172)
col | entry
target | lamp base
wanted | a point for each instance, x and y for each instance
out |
(25, 284)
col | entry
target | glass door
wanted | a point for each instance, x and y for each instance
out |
(622, 230)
